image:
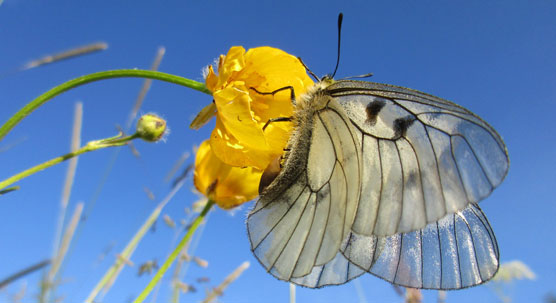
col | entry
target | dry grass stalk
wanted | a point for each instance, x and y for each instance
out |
(145, 88)
(441, 297)
(60, 249)
(169, 221)
(176, 166)
(110, 276)
(200, 262)
(23, 273)
(413, 295)
(74, 52)
(184, 287)
(114, 157)
(219, 290)
(147, 267)
(70, 172)
(18, 296)
(125, 260)
(63, 249)
(149, 193)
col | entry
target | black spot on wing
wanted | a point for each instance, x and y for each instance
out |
(401, 125)
(373, 109)
(322, 194)
(412, 179)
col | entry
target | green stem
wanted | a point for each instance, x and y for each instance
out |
(7, 190)
(120, 73)
(174, 254)
(91, 146)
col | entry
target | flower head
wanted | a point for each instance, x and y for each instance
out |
(242, 111)
(151, 127)
(227, 185)
(228, 167)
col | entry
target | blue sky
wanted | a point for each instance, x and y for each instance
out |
(495, 58)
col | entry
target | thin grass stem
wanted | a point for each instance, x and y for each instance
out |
(219, 290)
(64, 246)
(66, 191)
(112, 273)
(70, 174)
(160, 273)
(144, 88)
(67, 54)
(28, 270)
(91, 146)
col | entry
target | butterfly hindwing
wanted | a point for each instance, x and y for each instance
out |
(337, 271)
(458, 251)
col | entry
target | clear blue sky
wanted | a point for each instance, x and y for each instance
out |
(496, 58)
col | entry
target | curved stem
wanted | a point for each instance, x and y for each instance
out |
(120, 73)
(174, 254)
(91, 146)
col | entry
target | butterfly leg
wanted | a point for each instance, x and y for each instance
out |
(279, 119)
(292, 93)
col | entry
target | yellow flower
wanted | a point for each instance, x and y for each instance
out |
(228, 166)
(228, 186)
(238, 138)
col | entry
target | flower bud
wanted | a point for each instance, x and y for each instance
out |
(151, 127)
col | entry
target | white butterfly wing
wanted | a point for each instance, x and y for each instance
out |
(381, 187)
(337, 271)
(301, 224)
(458, 251)
(434, 157)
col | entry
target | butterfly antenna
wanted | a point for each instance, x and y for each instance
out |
(340, 18)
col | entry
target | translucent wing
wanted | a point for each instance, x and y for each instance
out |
(458, 251)
(302, 218)
(385, 180)
(337, 271)
(418, 224)
(433, 156)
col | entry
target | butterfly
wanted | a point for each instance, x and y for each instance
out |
(381, 179)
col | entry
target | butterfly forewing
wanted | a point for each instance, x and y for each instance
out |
(447, 157)
(385, 180)
(302, 227)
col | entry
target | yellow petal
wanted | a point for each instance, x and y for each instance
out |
(277, 135)
(233, 63)
(228, 186)
(234, 110)
(238, 138)
(211, 80)
(204, 116)
(233, 152)
(279, 69)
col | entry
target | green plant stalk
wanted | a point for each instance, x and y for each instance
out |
(189, 249)
(114, 270)
(174, 254)
(7, 190)
(91, 146)
(120, 73)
